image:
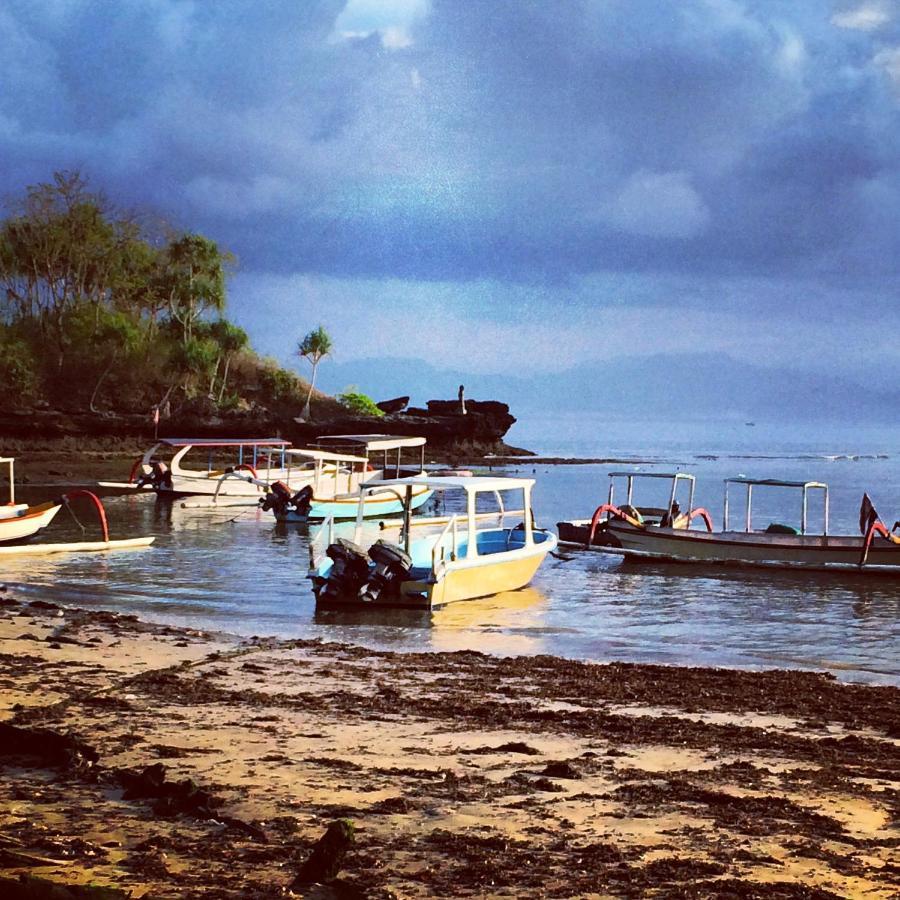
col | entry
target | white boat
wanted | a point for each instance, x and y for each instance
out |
(460, 561)
(264, 459)
(19, 521)
(875, 550)
(338, 477)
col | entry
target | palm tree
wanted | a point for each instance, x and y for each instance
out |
(314, 348)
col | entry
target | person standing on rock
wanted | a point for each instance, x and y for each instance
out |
(462, 400)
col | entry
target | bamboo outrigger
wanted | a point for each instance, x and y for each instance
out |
(20, 522)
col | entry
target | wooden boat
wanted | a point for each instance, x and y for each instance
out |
(337, 479)
(262, 458)
(19, 521)
(457, 562)
(875, 550)
(594, 532)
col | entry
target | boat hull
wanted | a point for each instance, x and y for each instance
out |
(459, 580)
(384, 503)
(28, 523)
(214, 485)
(817, 552)
(485, 577)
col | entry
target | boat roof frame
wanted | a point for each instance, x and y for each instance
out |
(469, 483)
(325, 455)
(674, 477)
(375, 441)
(804, 486)
(223, 442)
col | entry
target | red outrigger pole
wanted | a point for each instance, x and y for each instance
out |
(877, 527)
(616, 513)
(101, 512)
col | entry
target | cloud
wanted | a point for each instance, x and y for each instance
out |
(867, 16)
(658, 204)
(392, 20)
(538, 146)
(889, 60)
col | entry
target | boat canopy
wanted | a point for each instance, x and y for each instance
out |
(470, 483)
(775, 482)
(223, 442)
(325, 455)
(669, 475)
(376, 441)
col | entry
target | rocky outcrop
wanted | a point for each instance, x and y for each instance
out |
(481, 430)
(397, 405)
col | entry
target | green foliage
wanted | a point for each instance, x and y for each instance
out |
(316, 345)
(18, 369)
(279, 384)
(360, 403)
(97, 311)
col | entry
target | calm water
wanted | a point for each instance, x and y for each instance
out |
(240, 572)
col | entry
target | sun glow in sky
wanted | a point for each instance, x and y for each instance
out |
(514, 183)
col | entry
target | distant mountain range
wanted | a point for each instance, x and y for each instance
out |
(663, 385)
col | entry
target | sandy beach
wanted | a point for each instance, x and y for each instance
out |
(462, 774)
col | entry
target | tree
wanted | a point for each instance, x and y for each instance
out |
(314, 348)
(194, 280)
(194, 361)
(63, 248)
(231, 339)
(116, 334)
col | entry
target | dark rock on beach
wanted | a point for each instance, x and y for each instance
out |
(327, 857)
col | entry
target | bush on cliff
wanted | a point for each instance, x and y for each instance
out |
(359, 403)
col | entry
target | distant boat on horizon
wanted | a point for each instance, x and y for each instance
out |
(751, 424)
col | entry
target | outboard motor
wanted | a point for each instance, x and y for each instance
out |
(157, 474)
(280, 499)
(349, 571)
(392, 565)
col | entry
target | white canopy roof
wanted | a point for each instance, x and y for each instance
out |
(326, 455)
(468, 483)
(376, 441)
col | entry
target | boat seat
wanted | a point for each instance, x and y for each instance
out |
(778, 528)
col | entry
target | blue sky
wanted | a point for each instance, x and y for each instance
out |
(516, 184)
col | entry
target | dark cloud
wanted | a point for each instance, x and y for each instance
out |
(518, 141)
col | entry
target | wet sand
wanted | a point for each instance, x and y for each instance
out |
(463, 774)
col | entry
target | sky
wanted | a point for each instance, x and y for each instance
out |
(506, 186)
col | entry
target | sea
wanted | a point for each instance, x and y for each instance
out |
(237, 571)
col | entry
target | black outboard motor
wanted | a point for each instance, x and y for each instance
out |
(280, 499)
(157, 475)
(348, 573)
(392, 565)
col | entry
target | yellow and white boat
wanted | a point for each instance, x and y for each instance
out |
(459, 561)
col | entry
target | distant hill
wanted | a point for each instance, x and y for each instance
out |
(664, 385)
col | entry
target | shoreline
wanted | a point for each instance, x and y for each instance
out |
(463, 774)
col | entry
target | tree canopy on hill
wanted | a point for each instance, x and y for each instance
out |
(98, 310)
